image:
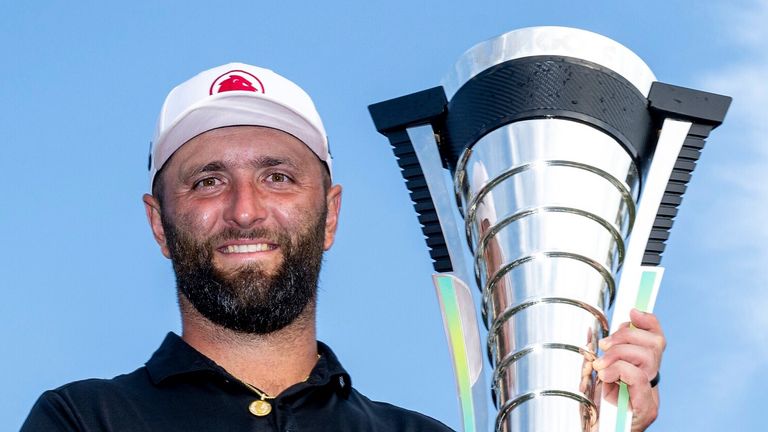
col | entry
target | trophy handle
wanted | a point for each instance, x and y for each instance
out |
(457, 304)
(437, 178)
(633, 282)
(460, 322)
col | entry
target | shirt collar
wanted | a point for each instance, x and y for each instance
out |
(328, 370)
(175, 358)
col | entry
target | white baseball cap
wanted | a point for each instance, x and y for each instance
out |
(235, 94)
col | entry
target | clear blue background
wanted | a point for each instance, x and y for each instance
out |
(84, 291)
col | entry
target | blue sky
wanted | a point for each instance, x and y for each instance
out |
(85, 292)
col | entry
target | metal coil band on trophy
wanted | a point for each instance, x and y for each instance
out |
(549, 135)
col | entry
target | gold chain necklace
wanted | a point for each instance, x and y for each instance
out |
(263, 407)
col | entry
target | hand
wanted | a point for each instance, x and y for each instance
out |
(633, 355)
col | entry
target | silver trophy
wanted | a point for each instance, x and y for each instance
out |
(547, 170)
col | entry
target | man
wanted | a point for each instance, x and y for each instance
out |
(243, 204)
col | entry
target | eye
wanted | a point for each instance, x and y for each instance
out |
(207, 182)
(278, 178)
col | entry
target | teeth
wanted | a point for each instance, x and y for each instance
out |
(258, 247)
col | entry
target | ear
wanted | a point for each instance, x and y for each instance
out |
(152, 207)
(333, 201)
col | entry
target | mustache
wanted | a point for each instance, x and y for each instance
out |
(230, 233)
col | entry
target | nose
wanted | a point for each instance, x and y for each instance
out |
(246, 207)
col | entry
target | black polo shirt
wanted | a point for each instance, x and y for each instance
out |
(179, 389)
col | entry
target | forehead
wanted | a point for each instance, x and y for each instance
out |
(237, 145)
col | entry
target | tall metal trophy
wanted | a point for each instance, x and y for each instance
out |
(547, 169)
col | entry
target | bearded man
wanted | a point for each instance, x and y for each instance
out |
(243, 205)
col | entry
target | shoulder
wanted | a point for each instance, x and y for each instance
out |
(94, 390)
(392, 417)
(76, 405)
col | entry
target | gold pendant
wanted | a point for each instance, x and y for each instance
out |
(260, 408)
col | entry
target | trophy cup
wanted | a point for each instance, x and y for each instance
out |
(547, 169)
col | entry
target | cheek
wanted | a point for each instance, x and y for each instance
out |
(296, 217)
(198, 218)
(288, 216)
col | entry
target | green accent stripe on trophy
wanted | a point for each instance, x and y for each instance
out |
(641, 303)
(623, 407)
(459, 350)
(646, 289)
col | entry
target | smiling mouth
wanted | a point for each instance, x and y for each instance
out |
(248, 248)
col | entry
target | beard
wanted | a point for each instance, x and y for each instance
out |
(248, 299)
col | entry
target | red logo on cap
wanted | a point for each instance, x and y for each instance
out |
(235, 80)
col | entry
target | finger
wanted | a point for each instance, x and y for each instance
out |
(623, 371)
(634, 336)
(643, 399)
(646, 321)
(640, 392)
(624, 325)
(639, 356)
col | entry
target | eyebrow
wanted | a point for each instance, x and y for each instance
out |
(260, 162)
(270, 161)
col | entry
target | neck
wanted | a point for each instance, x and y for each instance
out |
(270, 362)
